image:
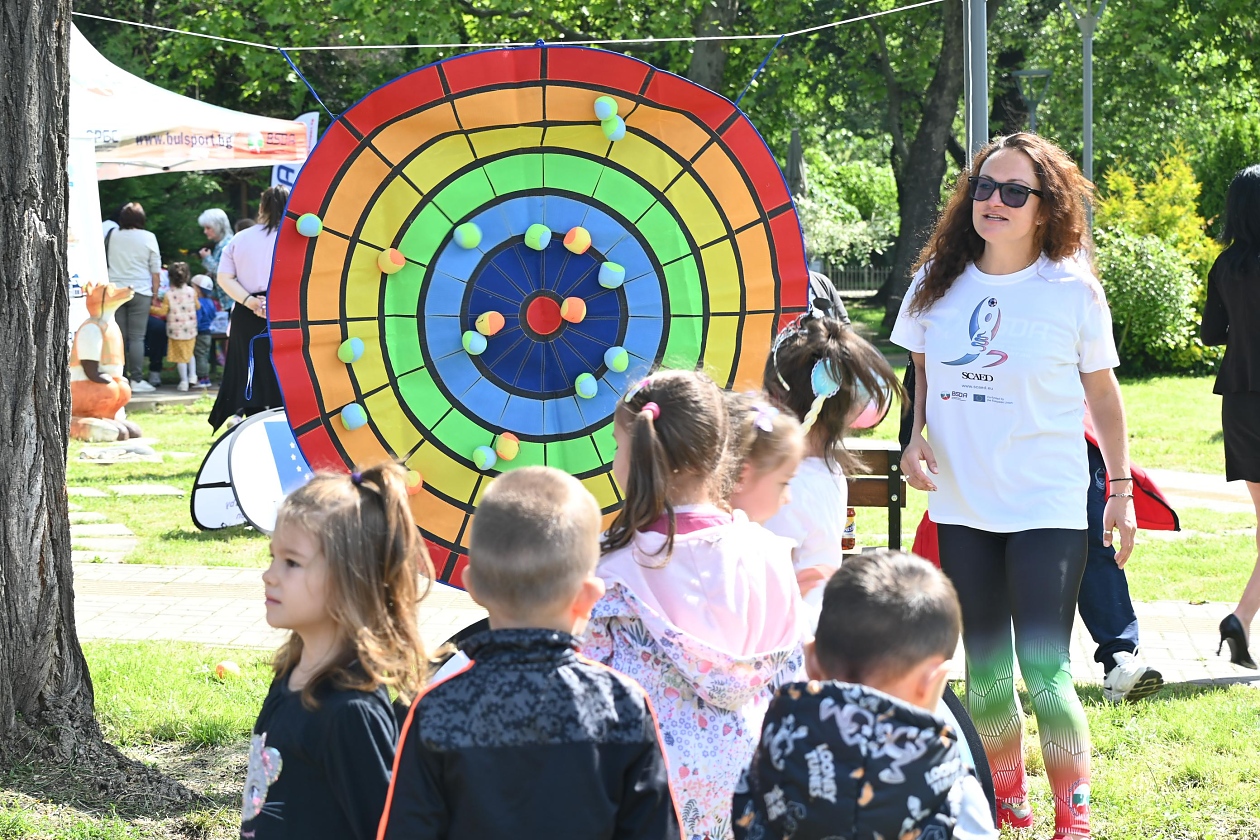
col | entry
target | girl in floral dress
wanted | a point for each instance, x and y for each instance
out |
(702, 606)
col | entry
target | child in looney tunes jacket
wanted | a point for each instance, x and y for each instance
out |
(865, 759)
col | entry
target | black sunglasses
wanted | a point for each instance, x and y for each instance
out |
(1013, 195)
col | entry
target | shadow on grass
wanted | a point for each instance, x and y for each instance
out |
(212, 774)
(217, 535)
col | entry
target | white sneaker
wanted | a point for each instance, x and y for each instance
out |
(183, 385)
(1131, 679)
(139, 386)
(155, 379)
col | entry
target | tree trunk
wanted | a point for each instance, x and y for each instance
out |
(43, 677)
(919, 166)
(46, 702)
(708, 58)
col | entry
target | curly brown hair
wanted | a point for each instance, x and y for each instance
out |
(1064, 224)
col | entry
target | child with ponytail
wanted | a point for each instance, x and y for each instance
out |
(766, 450)
(345, 563)
(701, 606)
(833, 380)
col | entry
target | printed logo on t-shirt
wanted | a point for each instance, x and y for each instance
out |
(983, 327)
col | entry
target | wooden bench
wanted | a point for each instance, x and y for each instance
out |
(881, 485)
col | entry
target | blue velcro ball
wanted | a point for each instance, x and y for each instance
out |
(617, 358)
(474, 343)
(484, 457)
(587, 386)
(614, 128)
(611, 275)
(538, 237)
(353, 416)
(308, 224)
(605, 108)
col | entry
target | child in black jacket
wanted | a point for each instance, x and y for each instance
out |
(865, 758)
(530, 740)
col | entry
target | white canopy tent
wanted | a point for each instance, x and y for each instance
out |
(131, 127)
(139, 128)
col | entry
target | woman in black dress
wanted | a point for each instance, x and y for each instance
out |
(1232, 317)
(245, 273)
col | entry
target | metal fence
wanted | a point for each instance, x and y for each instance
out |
(857, 278)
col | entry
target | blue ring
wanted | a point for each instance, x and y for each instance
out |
(444, 292)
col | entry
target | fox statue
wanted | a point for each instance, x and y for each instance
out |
(98, 388)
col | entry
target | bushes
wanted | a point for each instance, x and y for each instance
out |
(850, 215)
(1154, 256)
(1148, 286)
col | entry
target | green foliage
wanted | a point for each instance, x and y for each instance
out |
(1159, 304)
(1236, 147)
(850, 214)
(172, 202)
(1166, 206)
(1149, 286)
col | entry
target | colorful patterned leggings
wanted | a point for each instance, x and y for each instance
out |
(1028, 579)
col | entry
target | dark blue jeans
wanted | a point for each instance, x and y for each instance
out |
(1104, 602)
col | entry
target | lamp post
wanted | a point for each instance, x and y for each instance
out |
(976, 75)
(1088, 23)
(1027, 80)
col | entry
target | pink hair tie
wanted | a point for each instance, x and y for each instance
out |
(652, 409)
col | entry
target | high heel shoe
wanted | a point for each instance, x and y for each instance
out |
(1232, 632)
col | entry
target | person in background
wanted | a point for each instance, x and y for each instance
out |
(206, 310)
(133, 259)
(181, 322)
(244, 224)
(214, 223)
(249, 381)
(1232, 317)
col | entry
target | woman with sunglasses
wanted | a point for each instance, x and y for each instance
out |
(1010, 334)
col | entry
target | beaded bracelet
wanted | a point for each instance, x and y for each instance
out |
(1120, 496)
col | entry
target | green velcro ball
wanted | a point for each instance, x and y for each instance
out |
(351, 350)
(308, 224)
(617, 358)
(484, 457)
(474, 343)
(587, 386)
(611, 275)
(353, 416)
(605, 108)
(538, 236)
(468, 235)
(614, 128)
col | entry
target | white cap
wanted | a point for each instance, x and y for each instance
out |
(204, 282)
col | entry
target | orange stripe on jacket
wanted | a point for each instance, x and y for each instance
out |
(660, 743)
(402, 738)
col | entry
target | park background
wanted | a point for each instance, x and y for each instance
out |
(875, 111)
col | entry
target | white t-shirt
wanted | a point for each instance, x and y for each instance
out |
(133, 259)
(814, 519)
(1005, 405)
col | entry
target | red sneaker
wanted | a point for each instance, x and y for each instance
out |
(1017, 814)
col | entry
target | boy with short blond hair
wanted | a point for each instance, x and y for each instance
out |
(857, 752)
(530, 739)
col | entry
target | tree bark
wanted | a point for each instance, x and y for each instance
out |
(919, 163)
(708, 58)
(43, 677)
(46, 703)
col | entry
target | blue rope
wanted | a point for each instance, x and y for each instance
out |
(309, 87)
(760, 67)
(249, 378)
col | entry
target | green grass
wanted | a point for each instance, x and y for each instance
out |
(152, 692)
(163, 524)
(1181, 766)
(1174, 423)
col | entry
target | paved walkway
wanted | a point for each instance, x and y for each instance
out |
(224, 606)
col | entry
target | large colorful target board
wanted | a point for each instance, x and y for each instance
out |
(481, 256)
